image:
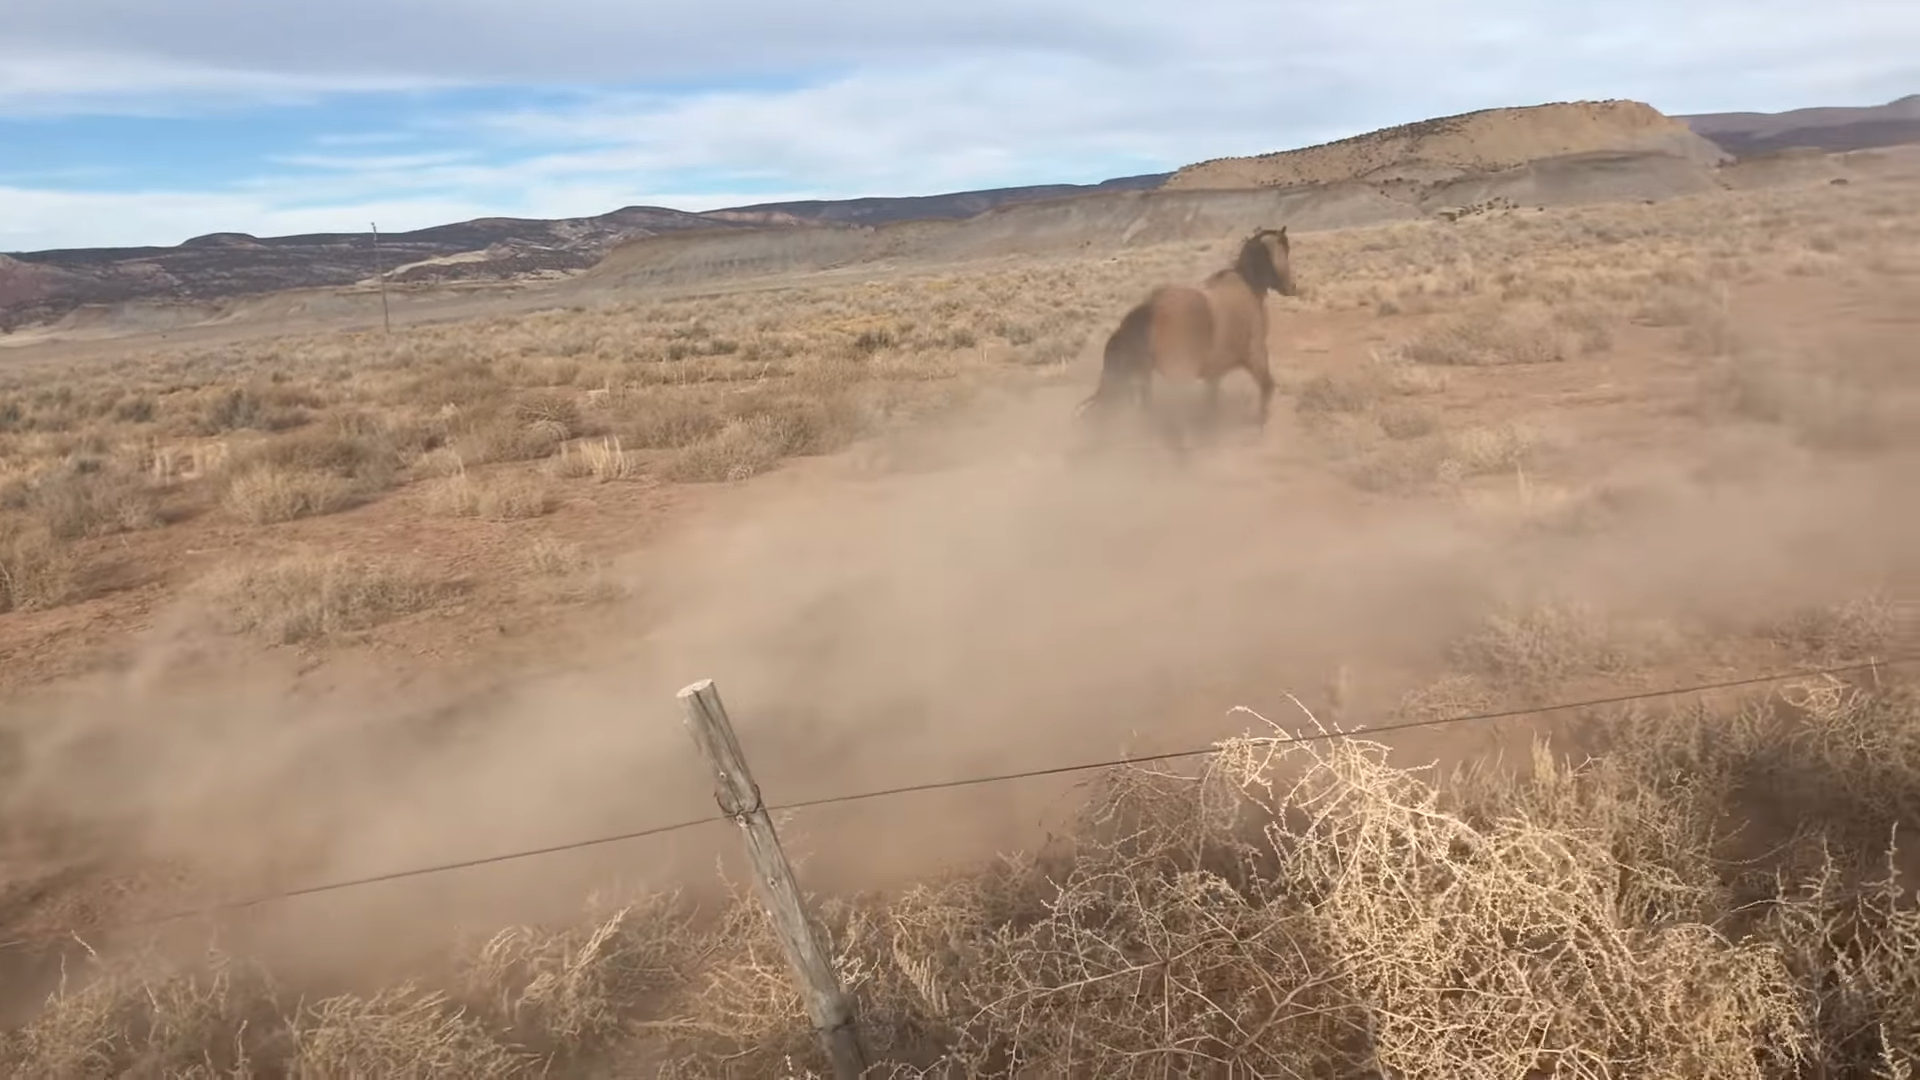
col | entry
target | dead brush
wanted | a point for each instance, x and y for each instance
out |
(88, 497)
(495, 497)
(402, 1031)
(604, 460)
(305, 597)
(569, 989)
(1488, 337)
(307, 474)
(137, 1016)
(1855, 630)
(1542, 643)
(1297, 909)
(37, 571)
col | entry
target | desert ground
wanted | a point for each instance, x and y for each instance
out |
(292, 605)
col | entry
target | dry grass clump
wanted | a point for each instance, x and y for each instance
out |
(307, 474)
(1326, 393)
(307, 597)
(763, 429)
(85, 497)
(1424, 454)
(1491, 336)
(1856, 630)
(556, 569)
(497, 497)
(742, 449)
(36, 570)
(1707, 895)
(403, 1031)
(140, 1017)
(603, 459)
(655, 420)
(1540, 644)
(548, 557)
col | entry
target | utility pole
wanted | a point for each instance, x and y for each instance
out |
(380, 271)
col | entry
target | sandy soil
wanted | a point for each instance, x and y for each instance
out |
(968, 597)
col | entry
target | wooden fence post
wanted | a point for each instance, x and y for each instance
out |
(827, 1003)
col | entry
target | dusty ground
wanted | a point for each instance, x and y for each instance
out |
(1521, 457)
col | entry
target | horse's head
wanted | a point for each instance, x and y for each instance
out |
(1264, 262)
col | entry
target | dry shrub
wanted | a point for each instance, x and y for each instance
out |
(1590, 326)
(661, 420)
(1856, 630)
(604, 460)
(530, 998)
(819, 419)
(1421, 458)
(549, 557)
(499, 497)
(1402, 466)
(260, 406)
(1481, 449)
(1487, 338)
(766, 428)
(1453, 694)
(399, 1032)
(262, 495)
(1543, 643)
(89, 498)
(1408, 422)
(505, 438)
(307, 474)
(36, 570)
(559, 570)
(1823, 778)
(1677, 308)
(1705, 895)
(565, 989)
(557, 412)
(307, 597)
(1299, 910)
(136, 1017)
(1331, 394)
(742, 449)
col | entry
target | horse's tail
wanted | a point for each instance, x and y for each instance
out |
(1127, 358)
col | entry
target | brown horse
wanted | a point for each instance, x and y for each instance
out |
(1199, 333)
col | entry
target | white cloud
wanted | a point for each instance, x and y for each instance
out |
(1400, 48)
(76, 81)
(37, 219)
(897, 98)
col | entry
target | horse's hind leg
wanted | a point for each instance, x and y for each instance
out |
(1210, 406)
(1172, 433)
(1170, 419)
(1262, 378)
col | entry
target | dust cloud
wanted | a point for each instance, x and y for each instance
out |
(972, 598)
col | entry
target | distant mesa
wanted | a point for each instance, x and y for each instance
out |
(1448, 147)
(222, 239)
(1452, 167)
(1832, 129)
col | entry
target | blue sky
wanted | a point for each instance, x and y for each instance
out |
(126, 122)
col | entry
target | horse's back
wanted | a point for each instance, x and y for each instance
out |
(1239, 317)
(1181, 333)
